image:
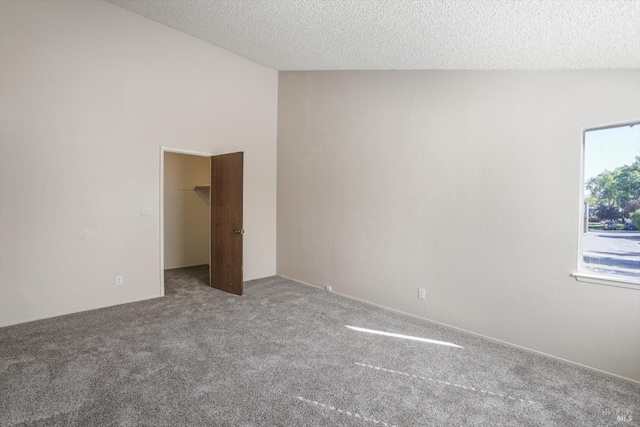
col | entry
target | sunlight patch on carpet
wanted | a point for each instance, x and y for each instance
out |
(406, 337)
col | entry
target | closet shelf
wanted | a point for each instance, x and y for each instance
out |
(201, 187)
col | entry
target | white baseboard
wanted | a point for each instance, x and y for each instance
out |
(68, 313)
(496, 340)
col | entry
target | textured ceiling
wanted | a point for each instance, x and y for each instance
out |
(405, 35)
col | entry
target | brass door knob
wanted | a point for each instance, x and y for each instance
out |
(241, 231)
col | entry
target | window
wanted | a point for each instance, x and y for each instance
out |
(610, 238)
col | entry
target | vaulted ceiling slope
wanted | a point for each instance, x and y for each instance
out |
(411, 34)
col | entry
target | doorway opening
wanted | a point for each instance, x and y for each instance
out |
(185, 212)
(201, 215)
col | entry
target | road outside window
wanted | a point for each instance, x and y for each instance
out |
(611, 242)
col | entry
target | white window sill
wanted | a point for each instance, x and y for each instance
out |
(608, 280)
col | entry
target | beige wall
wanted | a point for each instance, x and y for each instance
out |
(88, 94)
(186, 211)
(463, 183)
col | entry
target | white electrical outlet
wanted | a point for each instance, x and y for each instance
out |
(329, 288)
(119, 280)
(422, 293)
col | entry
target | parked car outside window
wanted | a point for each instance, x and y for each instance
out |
(630, 226)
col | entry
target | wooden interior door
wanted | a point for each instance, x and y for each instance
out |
(226, 222)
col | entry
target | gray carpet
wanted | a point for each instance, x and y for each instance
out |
(281, 356)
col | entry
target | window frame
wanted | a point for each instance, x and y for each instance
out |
(581, 274)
